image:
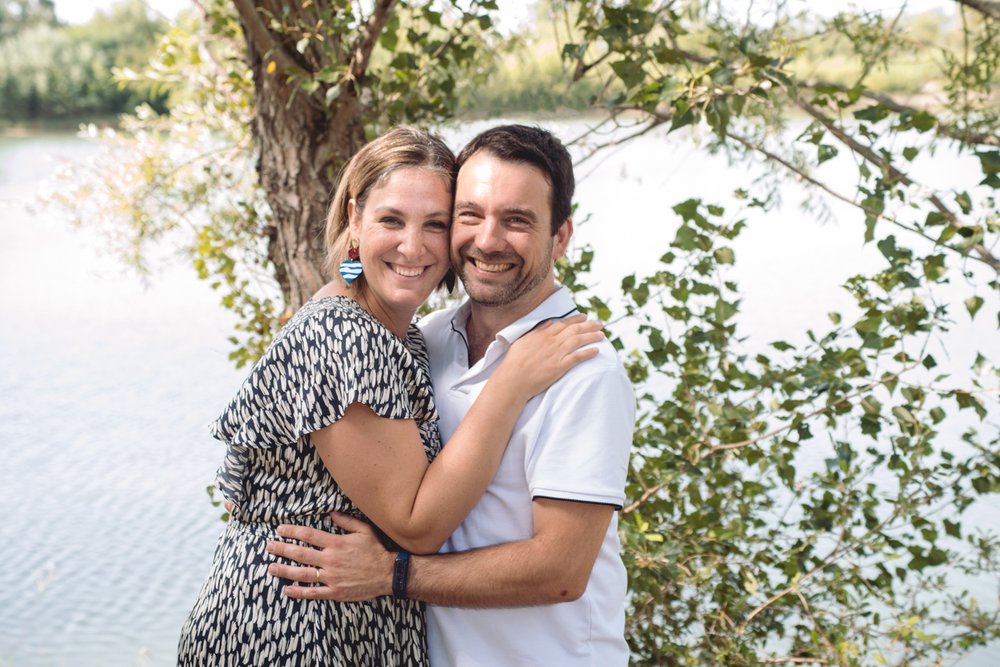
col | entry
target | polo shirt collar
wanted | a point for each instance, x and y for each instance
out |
(558, 305)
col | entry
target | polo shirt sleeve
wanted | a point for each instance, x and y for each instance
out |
(582, 449)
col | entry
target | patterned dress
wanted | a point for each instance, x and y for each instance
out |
(330, 354)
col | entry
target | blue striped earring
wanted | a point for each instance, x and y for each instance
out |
(350, 268)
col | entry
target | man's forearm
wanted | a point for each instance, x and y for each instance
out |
(515, 574)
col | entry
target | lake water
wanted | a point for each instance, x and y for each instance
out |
(107, 384)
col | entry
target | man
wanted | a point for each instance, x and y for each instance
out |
(545, 532)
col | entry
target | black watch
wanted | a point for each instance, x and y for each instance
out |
(400, 575)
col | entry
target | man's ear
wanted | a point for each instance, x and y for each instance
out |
(561, 240)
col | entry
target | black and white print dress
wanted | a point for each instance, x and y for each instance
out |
(330, 354)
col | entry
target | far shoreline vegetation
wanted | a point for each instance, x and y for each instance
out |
(56, 77)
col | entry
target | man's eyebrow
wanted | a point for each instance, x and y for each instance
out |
(524, 212)
(511, 210)
(467, 205)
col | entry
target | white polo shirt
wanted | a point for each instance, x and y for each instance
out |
(572, 443)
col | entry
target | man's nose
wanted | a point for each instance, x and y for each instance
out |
(490, 236)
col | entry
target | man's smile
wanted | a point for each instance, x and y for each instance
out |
(491, 267)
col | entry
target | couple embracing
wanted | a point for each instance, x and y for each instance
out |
(496, 432)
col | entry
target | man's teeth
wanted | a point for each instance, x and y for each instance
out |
(408, 273)
(494, 268)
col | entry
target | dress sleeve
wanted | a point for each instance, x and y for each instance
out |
(312, 372)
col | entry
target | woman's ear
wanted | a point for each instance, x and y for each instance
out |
(353, 217)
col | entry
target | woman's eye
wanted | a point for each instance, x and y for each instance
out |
(438, 225)
(391, 221)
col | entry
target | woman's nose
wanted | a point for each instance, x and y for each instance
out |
(412, 242)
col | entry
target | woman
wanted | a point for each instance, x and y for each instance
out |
(338, 415)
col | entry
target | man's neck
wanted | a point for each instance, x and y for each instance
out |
(485, 322)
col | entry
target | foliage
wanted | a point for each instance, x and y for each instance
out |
(528, 76)
(790, 502)
(17, 15)
(741, 548)
(188, 177)
(50, 71)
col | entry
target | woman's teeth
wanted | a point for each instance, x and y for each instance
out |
(407, 272)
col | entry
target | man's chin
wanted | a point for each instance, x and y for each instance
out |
(485, 294)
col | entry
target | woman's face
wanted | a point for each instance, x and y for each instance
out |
(403, 239)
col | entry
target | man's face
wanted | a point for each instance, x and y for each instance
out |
(501, 241)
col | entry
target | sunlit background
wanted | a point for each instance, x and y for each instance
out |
(108, 379)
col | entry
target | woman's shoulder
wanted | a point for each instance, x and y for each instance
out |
(334, 316)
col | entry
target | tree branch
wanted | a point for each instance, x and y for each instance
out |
(258, 35)
(986, 7)
(890, 103)
(369, 36)
(893, 174)
(836, 195)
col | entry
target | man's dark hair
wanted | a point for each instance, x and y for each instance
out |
(534, 146)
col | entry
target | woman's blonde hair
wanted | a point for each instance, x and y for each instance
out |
(400, 148)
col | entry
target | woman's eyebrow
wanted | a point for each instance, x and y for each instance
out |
(397, 212)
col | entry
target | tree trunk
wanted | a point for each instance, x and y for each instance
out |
(302, 148)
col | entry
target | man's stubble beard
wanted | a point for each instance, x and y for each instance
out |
(508, 293)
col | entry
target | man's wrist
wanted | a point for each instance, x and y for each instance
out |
(388, 559)
(400, 575)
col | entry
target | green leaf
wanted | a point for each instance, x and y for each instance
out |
(973, 304)
(967, 400)
(724, 310)
(910, 152)
(825, 152)
(934, 267)
(871, 405)
(630, 72)
(870, 324)
(920, 121)
(874, 113)
(724, 255)
(935, 218)
(887, 247)
(904, 415)
(964, 201)
(666, 55)
(990, 161)
(870, 221)
(683, 115)
(688, 208)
